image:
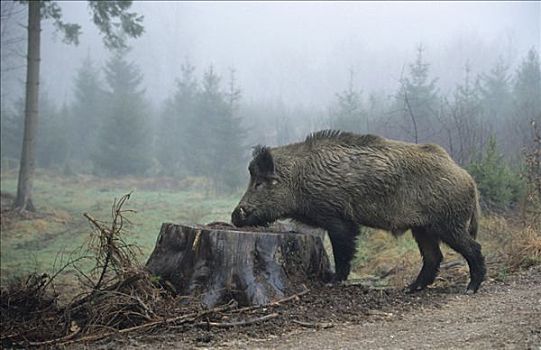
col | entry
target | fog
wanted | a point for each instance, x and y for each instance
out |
(253, 112)
(470, 69)
(300, 52)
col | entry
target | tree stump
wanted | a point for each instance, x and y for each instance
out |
(221, 263)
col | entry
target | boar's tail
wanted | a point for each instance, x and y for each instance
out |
(474, 220)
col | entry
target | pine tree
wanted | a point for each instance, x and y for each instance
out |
(496, 101)
(498, 184)
(231, 151)
(114, 35)
(213, 134)
(463, 120)
(11, 129)
(123, 146)
(86, 113)
(210, 108)
(496, 92)
(527, 94)
(418, 99)
(378, 114)
(348, 113)
(52, 142)
(52, 137)
(179, 129)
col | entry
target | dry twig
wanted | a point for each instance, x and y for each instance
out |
(317, 325)
(118, 297)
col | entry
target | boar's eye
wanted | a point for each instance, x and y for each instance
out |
(258, 185)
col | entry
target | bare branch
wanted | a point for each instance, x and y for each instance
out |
(412, 116)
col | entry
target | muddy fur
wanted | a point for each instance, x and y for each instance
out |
(338, 181)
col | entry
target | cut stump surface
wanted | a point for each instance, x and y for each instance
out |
(220, 263)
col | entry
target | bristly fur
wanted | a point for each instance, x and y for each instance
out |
(339, 180)
(344, 137)
(325, 134)
(259, 149)
(263, 163)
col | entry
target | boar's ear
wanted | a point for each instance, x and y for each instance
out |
(263, 161)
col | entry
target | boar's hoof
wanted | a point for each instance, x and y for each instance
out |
(334, 280)
(472, 288)
(334, 284)
(414, 288)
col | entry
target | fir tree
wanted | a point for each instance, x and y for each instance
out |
(418, 99)
(527, 94)
(496, 93)
(211, 106)
(230, 152)
(86, 112)
(123, 146)
(348, 114)
(52, 137)
(113, 21)
(11, 129)
(498, 185)
(179, 129)
(464, 120)
(201, 131)
(497, 103)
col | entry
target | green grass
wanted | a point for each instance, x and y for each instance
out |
(34, 245)
(28, 245)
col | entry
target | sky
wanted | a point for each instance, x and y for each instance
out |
(300, 53)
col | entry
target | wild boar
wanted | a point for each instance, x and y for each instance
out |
(338, 180)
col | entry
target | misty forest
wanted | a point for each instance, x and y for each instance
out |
(120, 116)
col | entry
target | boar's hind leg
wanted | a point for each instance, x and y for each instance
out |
(342, 235)
(462, 242)
(430, 251)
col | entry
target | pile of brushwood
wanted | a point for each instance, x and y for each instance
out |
(116, 297)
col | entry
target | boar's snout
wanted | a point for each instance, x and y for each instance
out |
(239, 216)
(245, 216)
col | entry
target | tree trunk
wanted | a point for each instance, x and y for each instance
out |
(219, 263)
(28, 155)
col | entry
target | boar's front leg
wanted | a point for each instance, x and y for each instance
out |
(342, 234)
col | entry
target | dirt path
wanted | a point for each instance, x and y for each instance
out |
(501, 316)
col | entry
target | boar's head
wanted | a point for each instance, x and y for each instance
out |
(269, 195)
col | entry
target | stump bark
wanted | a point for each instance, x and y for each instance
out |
(223, 263)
